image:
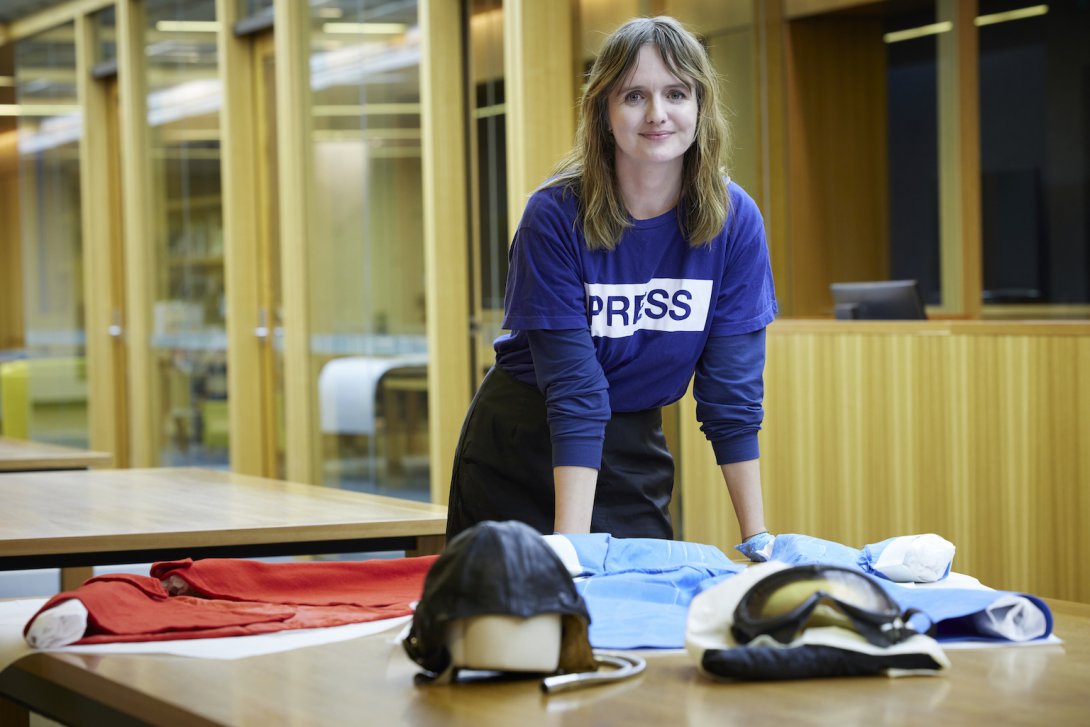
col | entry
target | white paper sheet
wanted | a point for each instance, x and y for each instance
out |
(15, 614)
(13, 617)
(240, 647)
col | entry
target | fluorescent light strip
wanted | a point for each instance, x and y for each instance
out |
(187, 26)
(371, 109)
(1032, 11)
(41, 110)
(485, 112)
(364, 28)
(920, 32)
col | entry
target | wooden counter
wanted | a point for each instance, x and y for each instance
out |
(976, 430)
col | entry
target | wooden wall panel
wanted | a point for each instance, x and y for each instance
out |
(541, 92)
(838, 217)
(772, 125)
(960, 243)
(237, 128)
(975, 431)
(446, 264)
(296, 194)
(140, 236)
(103, 278)
(11, 278)
(11, 282)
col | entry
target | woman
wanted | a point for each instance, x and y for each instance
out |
(637, 265)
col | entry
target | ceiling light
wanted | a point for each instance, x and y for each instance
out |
(365, 28)
(187, 26)
(1032, 11)
(39, 110)
(924, 30)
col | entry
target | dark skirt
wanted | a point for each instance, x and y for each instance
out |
(503, 466)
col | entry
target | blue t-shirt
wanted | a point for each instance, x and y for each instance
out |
(650, 304)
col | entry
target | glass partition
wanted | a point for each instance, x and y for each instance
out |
(912, 52)
(366, 257)
(254, 15)
(105, 36)
(255, 8)
(1035, 155)
(488, 189)
(189, 335)
(44, 395)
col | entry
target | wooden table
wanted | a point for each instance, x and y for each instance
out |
(20, 455)
(80, 519)
(370, 681)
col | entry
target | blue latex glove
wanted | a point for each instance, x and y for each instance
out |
(758, 548)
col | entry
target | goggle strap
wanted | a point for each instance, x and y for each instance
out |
(790, 625)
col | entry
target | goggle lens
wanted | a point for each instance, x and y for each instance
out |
(789, 601)
(840, 586)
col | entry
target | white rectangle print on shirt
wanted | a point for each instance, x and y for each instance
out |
(660, 304)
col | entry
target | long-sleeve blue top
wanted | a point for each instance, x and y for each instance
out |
(728, 387)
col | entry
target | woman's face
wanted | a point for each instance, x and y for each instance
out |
(652, 115)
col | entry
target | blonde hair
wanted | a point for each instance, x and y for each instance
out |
(589, 171)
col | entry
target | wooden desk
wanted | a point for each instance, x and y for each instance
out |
(370, 681)
(104, 517)
(20, 455)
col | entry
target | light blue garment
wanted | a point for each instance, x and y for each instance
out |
(804, 549)
(638, 590)
(950, 610)
(796, 549)
(601, 553)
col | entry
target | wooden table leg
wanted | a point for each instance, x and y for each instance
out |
(73, 578)
(12, 714)
(427, 545)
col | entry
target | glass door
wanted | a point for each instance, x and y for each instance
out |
(43, 386)
(365, 257)
(188, 339)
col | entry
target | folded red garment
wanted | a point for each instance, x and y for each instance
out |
(229, 597)
(366, 583)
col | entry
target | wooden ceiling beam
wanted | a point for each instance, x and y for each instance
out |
(49, 18)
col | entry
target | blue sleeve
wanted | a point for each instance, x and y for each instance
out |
(576, 394)
(544, 280)
(747, 296)
(729, 392)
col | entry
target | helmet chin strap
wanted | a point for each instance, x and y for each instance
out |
(625, 666)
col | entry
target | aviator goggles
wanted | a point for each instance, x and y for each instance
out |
(787, 602)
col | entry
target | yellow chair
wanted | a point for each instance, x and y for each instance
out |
(215, 425)
(45, 399)
(14, 399)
